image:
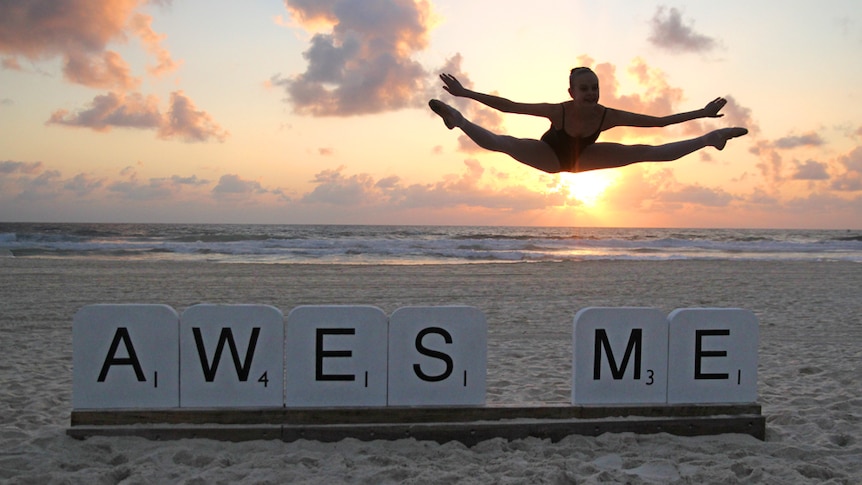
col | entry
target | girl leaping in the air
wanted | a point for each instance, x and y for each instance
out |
(570, 144)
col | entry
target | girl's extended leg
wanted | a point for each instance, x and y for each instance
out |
(611, 155)
(534, 153)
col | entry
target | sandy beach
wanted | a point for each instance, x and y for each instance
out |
(810, 387)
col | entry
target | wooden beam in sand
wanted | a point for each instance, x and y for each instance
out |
(468, 425)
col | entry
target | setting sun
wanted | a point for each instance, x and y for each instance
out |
(587, 187)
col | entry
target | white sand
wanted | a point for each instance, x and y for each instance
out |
(810, 378)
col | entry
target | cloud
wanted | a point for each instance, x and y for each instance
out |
(668, 32)
(40, 187)
(192, 180)
(364, 62)
(490, 119)
(853, 160)
(79, 32)
(133, 110)
(811, 170)
(82, 184)
(161, 189)
(104, 70)
(142, 25)
(153, 189)
(332, 187)
(655, 96)
(183, 120)
(10, 167)
(234, 186)
(466, 190)
(113, 110)
(849, 182)
(808, 139)
(697, 195)
(851, 179)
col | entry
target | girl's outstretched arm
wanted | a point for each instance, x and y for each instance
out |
(455, 88)
(625, 118)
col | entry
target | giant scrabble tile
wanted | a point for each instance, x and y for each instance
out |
(125, 356)
(335, 356)
(619, 356)
(712, 356)
(231, 356)
(437, 356)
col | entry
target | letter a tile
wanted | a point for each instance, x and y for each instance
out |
(125, 356)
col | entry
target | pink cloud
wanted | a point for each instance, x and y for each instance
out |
(670, 33)
(142, 25)
(465, 190)
(113, 110)
(103, 70)
(364, 63)
(79, 32)
(117, 110)
(185, 121)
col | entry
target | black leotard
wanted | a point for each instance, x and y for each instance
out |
(568, 147)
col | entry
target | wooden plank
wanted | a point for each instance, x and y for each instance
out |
(468, 433)
(468, 425)
(248, 416)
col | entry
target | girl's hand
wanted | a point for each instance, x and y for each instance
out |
(452, 85)
(713, 107)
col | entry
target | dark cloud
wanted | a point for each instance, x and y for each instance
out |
(10, 167)
(154, 188)
(364, 63)
(848, 182)
(810, 170)
(36, 186)
(808, 139)
(232, 185)
(669, 32)
(118, 110)
(83, 184)
(192, 180)
(79, 32)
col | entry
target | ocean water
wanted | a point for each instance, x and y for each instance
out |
(339, 244)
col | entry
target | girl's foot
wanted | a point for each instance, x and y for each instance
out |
(718, 138)
(451, 116)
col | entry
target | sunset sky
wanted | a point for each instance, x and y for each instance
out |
(315, 111)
